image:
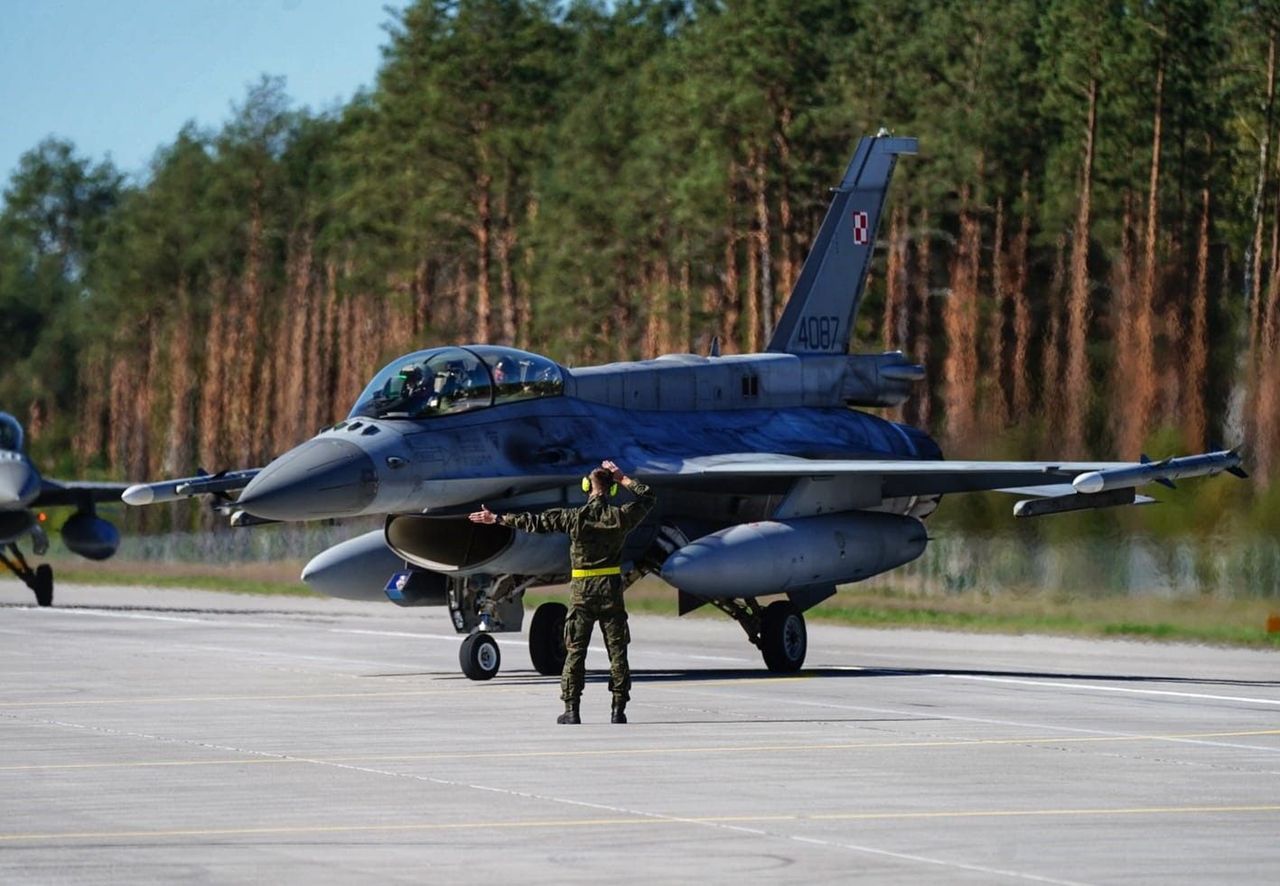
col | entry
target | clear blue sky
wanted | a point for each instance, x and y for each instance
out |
(121, 77)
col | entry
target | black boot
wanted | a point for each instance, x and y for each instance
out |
(570, 715)
(619, 711)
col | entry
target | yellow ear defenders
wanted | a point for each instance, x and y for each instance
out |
(586, 487)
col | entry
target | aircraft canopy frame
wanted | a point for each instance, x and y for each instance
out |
(448, 380)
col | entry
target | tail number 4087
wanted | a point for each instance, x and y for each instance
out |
(819, 333)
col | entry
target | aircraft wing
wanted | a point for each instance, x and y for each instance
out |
(1084, 484)
(57, 493)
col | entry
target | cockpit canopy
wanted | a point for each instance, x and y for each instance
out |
(442, 381)
(10, 433)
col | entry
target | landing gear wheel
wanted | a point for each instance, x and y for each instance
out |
(479, 656)
(42, 584)
(783, 638)
(546, 639)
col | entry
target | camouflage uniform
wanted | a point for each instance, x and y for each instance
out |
(596, 531)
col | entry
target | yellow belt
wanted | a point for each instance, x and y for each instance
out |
(592, 573)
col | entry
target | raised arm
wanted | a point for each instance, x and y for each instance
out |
(633, 512)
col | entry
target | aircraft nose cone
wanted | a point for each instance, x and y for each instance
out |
(321, 478)
(17, 484)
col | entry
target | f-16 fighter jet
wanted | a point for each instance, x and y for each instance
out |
(23, 493)
(773, 487)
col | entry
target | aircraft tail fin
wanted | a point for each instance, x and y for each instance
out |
(819, 315)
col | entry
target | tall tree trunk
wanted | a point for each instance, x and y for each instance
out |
(1078, 387)
(1197, 362)
(1123, 295)
(506, 276)
(1253, 261)
(212, 421)
(1051, 358)
(1022, 325)
(524, 300)
(764, 241)
(921, 346)
(960, 319)
(893, 327)
(243, 380)
(786, 225)
(90, 436)
(1143, 388)
(177, 448)
(686, 295)
(751, 298)
(729, 303)
(896, 322)
(481, 231)
(996, 406)
(294, 379)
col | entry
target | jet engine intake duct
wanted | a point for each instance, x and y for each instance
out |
(456, 546)
(777, 556)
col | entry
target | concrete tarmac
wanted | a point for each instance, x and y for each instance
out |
(152, 736)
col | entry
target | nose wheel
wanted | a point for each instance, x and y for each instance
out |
(479, 656)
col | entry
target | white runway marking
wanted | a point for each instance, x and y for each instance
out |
(146, 616)
(1096, 688)
(455, 638)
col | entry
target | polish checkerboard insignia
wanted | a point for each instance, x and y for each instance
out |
(860, 226)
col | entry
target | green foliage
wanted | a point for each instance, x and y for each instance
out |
(602, 165)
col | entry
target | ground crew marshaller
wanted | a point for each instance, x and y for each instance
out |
(596, 531)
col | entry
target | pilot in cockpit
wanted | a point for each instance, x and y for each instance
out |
(506, 374)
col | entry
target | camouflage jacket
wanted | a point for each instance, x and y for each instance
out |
(597, 530)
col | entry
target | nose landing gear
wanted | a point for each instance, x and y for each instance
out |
(39, 579)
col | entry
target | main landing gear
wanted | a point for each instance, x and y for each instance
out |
(778, 630)
(39, 579)
(546, 639)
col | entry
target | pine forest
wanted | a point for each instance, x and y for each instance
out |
(1085, 254)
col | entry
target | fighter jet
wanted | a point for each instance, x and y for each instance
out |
(23, 495)
(774, 488)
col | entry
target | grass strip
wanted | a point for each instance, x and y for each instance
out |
(1223, 623)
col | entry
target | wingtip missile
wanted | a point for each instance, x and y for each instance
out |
(142, 494)
(1164, 472)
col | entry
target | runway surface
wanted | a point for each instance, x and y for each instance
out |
(161, 736)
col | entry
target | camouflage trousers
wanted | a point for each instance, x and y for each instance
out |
(596, 599)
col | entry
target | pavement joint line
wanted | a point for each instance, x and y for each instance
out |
(1096, 688)
(631, 818)
(461, 687)
(617, 752)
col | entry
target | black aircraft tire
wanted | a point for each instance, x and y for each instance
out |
(479, 656)
(546, 639)
(783, 638)
(43, 585)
